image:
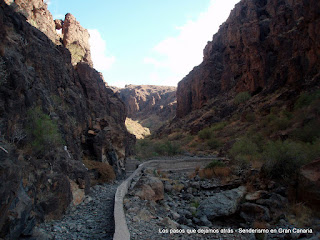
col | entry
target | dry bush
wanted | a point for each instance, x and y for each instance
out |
(195, 173)
(222, 172)
(105, 171)
(207, 173)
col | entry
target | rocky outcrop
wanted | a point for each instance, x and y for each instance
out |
(150, 105)
(263, 46)
(37, 15)
(73, 36)
(52, 115)
(76, 39)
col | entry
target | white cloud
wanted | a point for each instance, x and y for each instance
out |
(98, 46)
(181, 53)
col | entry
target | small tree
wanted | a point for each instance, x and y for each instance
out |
(43, 131)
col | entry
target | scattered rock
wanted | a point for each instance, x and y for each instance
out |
(150, 188)
(251, 212)
(223, 203)
(167, 222)
(144, 215)
(255, 195)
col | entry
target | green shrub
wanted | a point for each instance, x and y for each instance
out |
(287, 114)
(244, 150)
(309, 132)
(44, 132)
(171, 148)
(258, 139)
(306, 99)
(77, 52)
(244, 146)
(214, 163)
(242, 97)
(146, 148)
(271, 117)
(283, 159)
(213, 143)
(250, 117)
(219, 126)
(313, 150)
(280, 123)
(205, 133)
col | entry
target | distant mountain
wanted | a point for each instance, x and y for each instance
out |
(150, 105)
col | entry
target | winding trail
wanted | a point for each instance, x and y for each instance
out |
(94, 218)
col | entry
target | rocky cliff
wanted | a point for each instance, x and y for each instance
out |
(263, 46)
(150, 105)
(55, 110)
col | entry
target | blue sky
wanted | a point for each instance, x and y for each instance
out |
(146, 41)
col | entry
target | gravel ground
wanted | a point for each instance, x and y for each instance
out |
(92, 219)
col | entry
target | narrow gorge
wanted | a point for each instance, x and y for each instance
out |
(234, 148)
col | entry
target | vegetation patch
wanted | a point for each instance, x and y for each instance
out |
(244, 150)
(44, 132)
(309, 132)
(214, 163)
(104, 170)
(148, 148)
(242, 97)
(283, 159)
(305, 99)
(205, 133)
(77, 53)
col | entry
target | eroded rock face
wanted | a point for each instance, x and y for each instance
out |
(263, 46)
(37, 15)
(39, 80)
(76, 39)
(73, 35)
(151, 105)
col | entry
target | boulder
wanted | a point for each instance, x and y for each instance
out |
(77, 193)
(150, 188)
(255, 195)
(223, 203)
(251, 212)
